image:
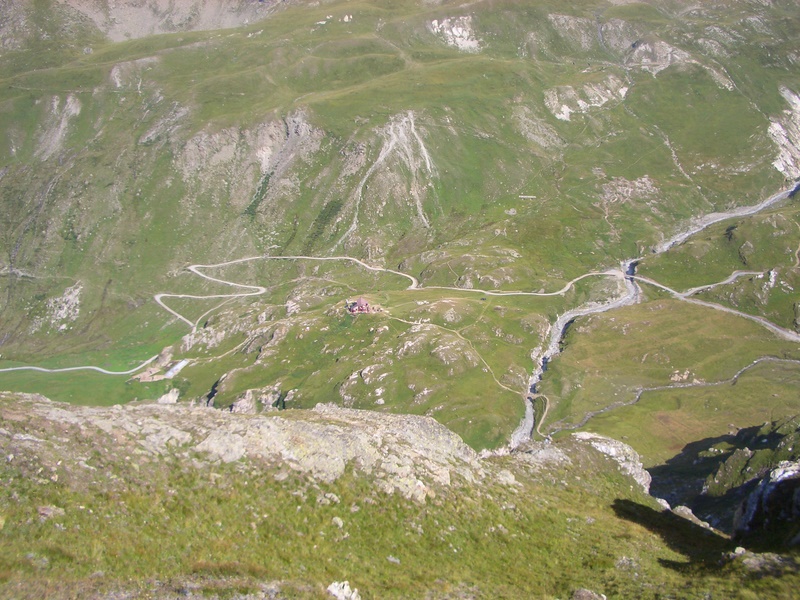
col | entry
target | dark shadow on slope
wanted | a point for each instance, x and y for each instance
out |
(719, 510)
(702, 548)
(681, 480)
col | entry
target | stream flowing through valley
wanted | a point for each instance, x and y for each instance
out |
(626, 275)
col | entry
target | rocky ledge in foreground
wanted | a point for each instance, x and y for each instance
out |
(406, 454)
(411, 455)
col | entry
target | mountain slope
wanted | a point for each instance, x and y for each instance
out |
(563, 216)
(156, 501)
(494, 147)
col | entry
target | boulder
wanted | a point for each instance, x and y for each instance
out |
(50, 512)
(245, 404)
(341, 591)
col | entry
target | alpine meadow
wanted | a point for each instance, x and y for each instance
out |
(366, 299)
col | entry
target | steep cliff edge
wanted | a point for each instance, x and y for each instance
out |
(770, 515)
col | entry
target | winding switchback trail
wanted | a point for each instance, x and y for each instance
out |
(414, 282)
(730, 279)
(626, 277)
(560, 292)
(256, 290)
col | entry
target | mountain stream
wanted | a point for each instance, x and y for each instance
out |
(627, 275)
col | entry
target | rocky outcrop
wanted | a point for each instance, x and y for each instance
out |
(171, 397)
(537, 130)
(655, 56)
(625, 456)
(253, 401)
(785, 133)
(581, 32)
(773, 508)
(260, 157)
(413, 456)
(58, 123)
(22, 20)
(541, 455)
(130, 19)
(341, 591)
(409, 455)
(564, 101)
(763, 564)
(456, 32)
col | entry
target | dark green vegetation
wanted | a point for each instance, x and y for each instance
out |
(503, 146)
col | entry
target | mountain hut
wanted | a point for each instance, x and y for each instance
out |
(360, 306)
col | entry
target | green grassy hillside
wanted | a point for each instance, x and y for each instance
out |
(146, 513)
(544, 203)
(511, 146)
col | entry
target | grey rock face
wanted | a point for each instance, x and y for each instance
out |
(131, 19)
(245, 405)
(405, 454)
(171, 397)
(625, 456)
(773, 507)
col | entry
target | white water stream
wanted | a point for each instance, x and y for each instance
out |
(627, 274)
